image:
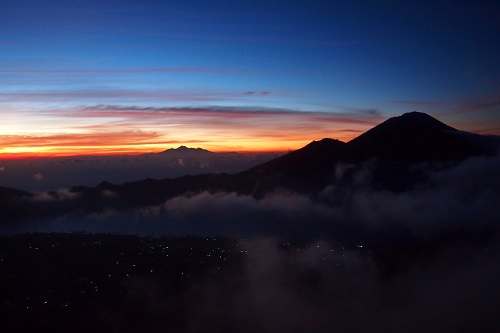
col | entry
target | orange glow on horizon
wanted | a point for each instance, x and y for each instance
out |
(27, 153)
(238, 146)
(108, 130)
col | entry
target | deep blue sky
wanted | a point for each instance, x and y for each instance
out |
(217, 74)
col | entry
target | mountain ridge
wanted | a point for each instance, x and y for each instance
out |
(373, 161)
(390, 147)
(414, 136)
(184, 149)
(330, 162)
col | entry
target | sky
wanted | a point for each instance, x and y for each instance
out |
(107, 77)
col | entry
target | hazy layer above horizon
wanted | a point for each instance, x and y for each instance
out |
(44, 174)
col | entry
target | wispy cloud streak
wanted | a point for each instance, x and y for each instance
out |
(84, 96)
(118, 71)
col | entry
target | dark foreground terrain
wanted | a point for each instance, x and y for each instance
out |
(119, 283)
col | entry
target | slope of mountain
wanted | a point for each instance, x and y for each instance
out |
(414, 137)
(385, 153)
(306, 169)
(12, 204)
(7, 193)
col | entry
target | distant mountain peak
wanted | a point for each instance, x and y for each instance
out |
(421, 119)
(184, 149)
(416, 114)
(409, 125)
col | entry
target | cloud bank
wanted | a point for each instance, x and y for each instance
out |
(461, 199)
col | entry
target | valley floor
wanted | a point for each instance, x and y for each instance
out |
(121, 283)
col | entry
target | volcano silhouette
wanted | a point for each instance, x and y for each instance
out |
(390, 148)
(396, 155)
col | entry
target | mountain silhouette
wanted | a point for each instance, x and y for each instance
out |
(414, 137)
(396, 155)
(183, 151)
(304, 170)
(12, 206)
(9, 193)
(389, 149)
(386, 155)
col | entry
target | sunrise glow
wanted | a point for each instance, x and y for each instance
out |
(80, 78)
(120, 130)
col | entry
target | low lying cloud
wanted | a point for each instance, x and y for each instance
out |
(55, 196)
(458, 200)
(38, 176)
(234, 215)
